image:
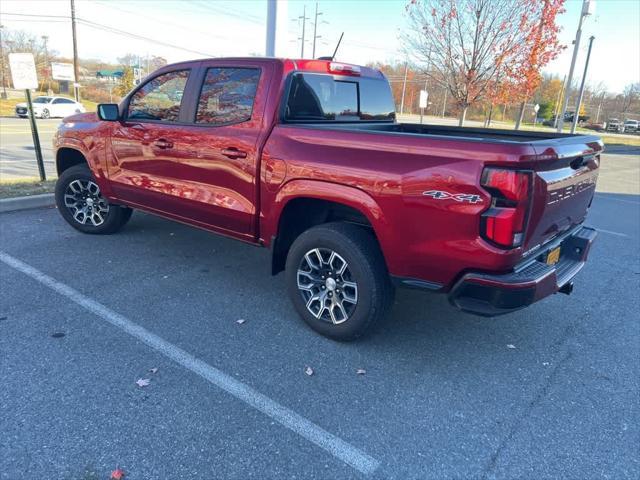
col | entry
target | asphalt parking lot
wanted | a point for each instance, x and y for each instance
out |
(549, 392)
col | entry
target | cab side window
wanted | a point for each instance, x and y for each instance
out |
(227, 95)
(160, 98)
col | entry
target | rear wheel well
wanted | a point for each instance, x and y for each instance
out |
(300, 215)
(68, 157)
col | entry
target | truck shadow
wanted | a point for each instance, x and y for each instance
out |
(418, 325)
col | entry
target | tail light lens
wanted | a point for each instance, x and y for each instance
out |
(504, 223)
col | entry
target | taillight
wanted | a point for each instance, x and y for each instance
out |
(504, 223)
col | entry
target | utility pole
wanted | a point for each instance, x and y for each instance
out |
(76, 74)
(304, 22)
(555, 110)
(444, 103)
(4, 73)
(272, 7)
(588, 7)
(600, 106)
(404, 86)
(576, 115)
(45, 39)
(315, 30)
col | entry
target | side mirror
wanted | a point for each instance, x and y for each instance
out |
(108, 112)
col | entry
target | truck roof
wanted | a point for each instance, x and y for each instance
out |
(299, 65)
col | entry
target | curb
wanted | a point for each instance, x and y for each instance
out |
(27, 203)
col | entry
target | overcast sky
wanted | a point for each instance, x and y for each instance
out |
(184, 29)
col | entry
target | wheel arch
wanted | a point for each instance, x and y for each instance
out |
(302, 204)
(67, 157)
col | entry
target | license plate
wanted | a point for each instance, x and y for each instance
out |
(553, 256)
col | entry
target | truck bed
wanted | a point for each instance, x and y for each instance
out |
(461, 133)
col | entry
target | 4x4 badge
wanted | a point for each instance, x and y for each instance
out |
(458, 197)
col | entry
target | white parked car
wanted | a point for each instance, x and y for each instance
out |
(630, 126)
(48, 107)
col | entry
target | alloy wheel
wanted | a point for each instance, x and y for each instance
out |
(327, 285)
(85, 203)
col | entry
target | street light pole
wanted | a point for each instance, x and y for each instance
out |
(271, 28)
(576, 115)
(587, 9)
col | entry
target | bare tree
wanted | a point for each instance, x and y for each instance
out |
(630, 97)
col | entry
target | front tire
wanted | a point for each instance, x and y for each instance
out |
(45, 113)
(338, 281)
(82, 205)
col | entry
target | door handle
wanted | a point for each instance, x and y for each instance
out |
(233, 152)
(162, 143)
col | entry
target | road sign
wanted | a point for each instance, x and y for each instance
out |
(536, 107)
(424, 97)
(63, 71)
(23, 71)
(24, 77)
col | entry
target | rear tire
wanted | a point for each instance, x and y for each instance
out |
(338, 281)
(81, 204)
(45, 113)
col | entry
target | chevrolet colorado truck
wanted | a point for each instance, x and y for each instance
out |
(306, 157)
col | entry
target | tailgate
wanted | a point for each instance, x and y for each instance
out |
(565, 176)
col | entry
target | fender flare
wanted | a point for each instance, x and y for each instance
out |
(332, 192)
(90, 155)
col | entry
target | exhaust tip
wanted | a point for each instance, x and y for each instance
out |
(567, 288)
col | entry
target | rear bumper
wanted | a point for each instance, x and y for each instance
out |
(490, 295)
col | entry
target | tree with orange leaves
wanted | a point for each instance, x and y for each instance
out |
(480, 49)
(541, 46)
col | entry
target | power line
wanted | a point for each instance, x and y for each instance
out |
(110, 6)
(109, 29)
(117, 31)
(240, 16)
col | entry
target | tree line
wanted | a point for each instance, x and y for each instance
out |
(488, 55)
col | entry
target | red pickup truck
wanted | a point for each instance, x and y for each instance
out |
(306, 157)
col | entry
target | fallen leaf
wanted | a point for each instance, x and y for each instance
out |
(510, 345)
(361, 371)
(117, 474)
(153, 370)
(546, 364)
(240, 321)
(143, 382)
(308, 371)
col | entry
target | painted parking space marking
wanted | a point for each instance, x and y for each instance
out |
(610, 232)
(332, 444)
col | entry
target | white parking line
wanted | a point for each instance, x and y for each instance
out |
(617, 234)
(334, 445)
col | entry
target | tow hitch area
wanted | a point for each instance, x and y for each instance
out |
(567, 288)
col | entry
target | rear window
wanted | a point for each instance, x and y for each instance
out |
(319, 97)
